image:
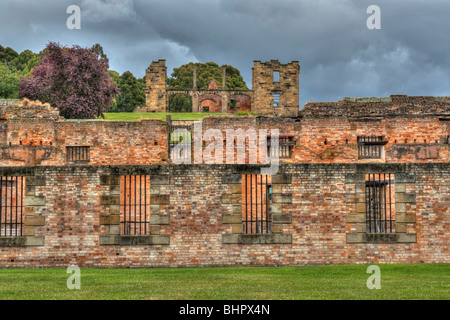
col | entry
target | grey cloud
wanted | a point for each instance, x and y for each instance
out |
(338, 55)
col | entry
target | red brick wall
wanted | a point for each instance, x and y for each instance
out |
(319, 212)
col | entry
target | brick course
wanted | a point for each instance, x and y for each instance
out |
(196, 232)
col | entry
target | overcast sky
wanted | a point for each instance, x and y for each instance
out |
(339, 56)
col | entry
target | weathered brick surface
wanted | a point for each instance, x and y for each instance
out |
(319, 233)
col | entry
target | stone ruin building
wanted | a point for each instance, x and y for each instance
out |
(274, 85)
(360, 180)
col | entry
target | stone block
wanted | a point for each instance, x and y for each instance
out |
(236, 189)
(160, 199)
(282, 179)
(406, 237)
(109, 180)
(35, 181)
(109, 240)
(405, 197)
(355, 237)
(12, 241)
(110, 200)
(34, 220)
(34, 201)
(282, 198)
(231, 219)
(34, 241)
(281, 218)
(159, 219)
(232, 179)
(159, 180)
(231, 198)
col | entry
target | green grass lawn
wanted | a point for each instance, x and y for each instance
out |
(422, 281)
(175, 116)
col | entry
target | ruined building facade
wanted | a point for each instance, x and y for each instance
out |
(361, 180)
(275, 91)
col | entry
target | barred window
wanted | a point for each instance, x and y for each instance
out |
(256, 197)
(135, 205)
(78, 153)
(380, 203)
(11, 206)
(370, 147)
(284, 150)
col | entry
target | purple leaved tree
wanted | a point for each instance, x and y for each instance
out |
(75, 80)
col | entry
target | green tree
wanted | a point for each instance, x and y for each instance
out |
(182, 78)
(23, 64)
(131, 92)
(180, 103)
(9, 83)
(7, 55)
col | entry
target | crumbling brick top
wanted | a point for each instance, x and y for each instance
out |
(395, 105)
(20, 109)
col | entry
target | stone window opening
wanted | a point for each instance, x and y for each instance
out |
(135, 205)
(12, 197)
(370, 147)
(256, 199)
(276, 76)
(380, 203)
(276, 99)
(285, 147)
(78, 153)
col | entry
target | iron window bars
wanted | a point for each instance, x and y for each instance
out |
(370, 147)
(135, 205)
(12, 206)
(380, 208)
(78, 153)
(284, 151)
(256, 196)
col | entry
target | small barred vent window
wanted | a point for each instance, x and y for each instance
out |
(78, 153)
(370, 147)
(284, 151)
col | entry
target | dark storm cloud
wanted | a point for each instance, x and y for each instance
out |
(338, 55)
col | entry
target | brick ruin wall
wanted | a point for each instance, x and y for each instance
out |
(415, 129)
(194, 214)
(71, 209)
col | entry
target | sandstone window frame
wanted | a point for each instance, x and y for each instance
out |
(32, 203)
(404, 204)
(233, 200)
(12, 212)
(135, 205)
(256, 216)
(380, 204)
(111, 222)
